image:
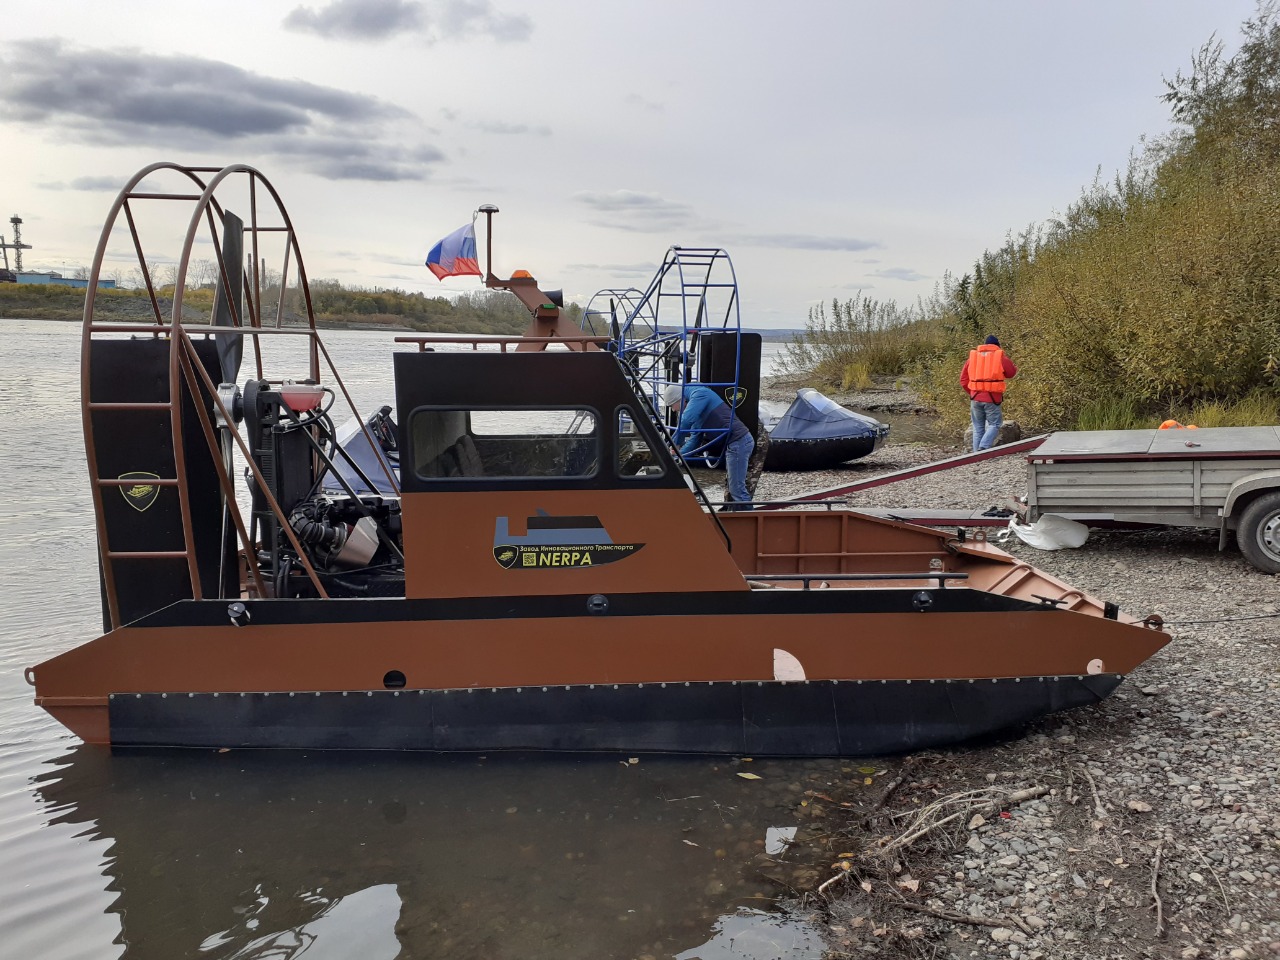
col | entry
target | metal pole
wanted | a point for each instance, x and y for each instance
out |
(488, 209)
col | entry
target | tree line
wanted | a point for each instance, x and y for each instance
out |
(1157, 294)
(480, 312)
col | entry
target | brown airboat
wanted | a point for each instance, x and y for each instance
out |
(517, 559)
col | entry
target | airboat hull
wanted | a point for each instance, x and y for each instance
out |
(652, 672)
(765, 718)
(522, 562)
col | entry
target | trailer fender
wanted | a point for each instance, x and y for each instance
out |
(1266, 480)
(1244, 489)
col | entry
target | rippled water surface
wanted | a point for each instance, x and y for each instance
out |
(276, 855)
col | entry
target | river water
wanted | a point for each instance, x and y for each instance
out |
(278, 855)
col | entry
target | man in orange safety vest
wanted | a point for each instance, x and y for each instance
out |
(983, 377)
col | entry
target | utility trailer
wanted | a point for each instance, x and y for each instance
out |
(1222, 478)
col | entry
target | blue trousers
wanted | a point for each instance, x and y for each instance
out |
(736, 455)
(987, 419)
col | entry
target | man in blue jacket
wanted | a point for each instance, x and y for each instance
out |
(704, 417)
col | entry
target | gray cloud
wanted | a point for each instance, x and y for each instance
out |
(336, 158)
(433, 20)
(502, 128)
(94, 184)
(899, 273)
(635, 100)
(637, 212)
(803, 241)
(461, 18)
(508, 129)
(127, 97)
(123, 91)
(646, 269)
(357, 19)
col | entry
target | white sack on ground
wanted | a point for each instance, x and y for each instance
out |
(1051, 532)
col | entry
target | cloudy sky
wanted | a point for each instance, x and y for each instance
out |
(830, 146)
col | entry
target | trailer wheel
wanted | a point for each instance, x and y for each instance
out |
(1259, 533)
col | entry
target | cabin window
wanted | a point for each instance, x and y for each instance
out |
(635, 456)
(455, 443)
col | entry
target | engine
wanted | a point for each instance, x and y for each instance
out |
(330, 490)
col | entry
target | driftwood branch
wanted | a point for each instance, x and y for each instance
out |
(822, 887)
(952, 915)
(908, 839)
(1155, 893)
(923, 825)
(968, 918)
(1226, 901)
(888, 793)
(1098, 807)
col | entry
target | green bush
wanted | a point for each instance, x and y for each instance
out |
(1111, 413)
(1259, 409)
(859, 340)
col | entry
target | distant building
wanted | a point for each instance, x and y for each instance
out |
(58, 280)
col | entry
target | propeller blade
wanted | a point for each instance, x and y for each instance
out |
(230, 345)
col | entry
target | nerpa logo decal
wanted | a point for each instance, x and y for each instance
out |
(551, 542)
(140, 495)
(734, 396)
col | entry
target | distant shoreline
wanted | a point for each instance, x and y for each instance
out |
(66, 316)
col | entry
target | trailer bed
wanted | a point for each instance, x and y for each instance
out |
(1177, 477)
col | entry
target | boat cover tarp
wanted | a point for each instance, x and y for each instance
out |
(815, 416)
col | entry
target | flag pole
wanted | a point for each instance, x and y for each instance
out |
(488, 209)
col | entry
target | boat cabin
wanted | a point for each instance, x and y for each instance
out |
(542, 472)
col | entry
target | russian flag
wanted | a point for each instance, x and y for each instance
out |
(455, 255)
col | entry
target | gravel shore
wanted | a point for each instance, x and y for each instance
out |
(1147, 826)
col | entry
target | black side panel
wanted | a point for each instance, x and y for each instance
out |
(668, 718)
(229, 312)
(142, 517)
(795, 719)
(716, 361)
(820, 718)
(899, 715)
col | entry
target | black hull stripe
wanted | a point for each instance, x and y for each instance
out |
(824, 718)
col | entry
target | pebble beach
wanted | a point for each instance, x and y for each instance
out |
(1146, 826)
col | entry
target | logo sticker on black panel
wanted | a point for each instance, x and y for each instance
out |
(140, 495)
(567, 542)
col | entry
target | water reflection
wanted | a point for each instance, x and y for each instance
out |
(245, 855)
(753, 933)
(360, 924)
